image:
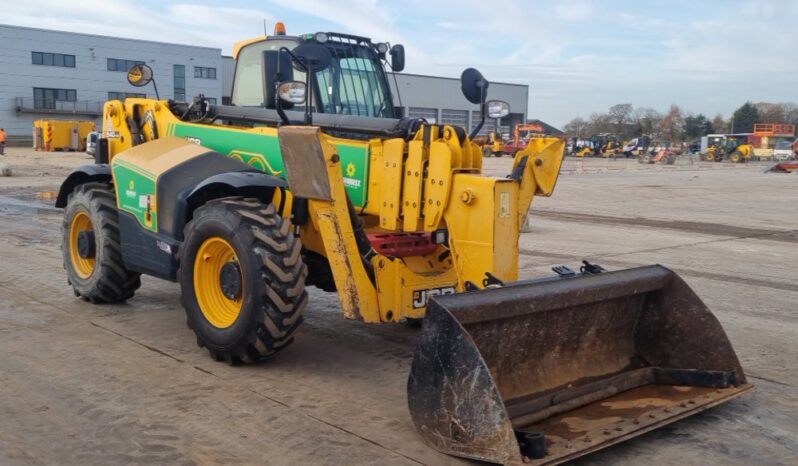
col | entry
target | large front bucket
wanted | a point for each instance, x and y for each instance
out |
(542, 372)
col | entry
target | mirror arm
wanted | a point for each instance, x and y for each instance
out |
(478, 128)
(155, 87)
(308, 95)
(308, 115)
(281, 112)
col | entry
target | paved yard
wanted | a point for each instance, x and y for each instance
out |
(126, 384)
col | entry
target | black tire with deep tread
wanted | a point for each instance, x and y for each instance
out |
(111, 281)
(272, 271)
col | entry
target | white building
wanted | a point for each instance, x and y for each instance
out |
(65, 75)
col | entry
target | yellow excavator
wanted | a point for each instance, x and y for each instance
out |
(310, 178)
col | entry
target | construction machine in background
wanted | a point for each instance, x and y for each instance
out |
(303, 181)
(663, 156)
(715, 152)
(604, 145)
(491, 144)
(636, 147)
(522, 134)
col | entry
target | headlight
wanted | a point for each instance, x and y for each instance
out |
(292, 92)
(382, 48)
(322, 37)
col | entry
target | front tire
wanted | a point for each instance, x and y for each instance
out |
(242, 280)
(91, 246)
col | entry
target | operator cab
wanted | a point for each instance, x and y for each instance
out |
(354, 82)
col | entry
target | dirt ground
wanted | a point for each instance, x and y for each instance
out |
(126, 384)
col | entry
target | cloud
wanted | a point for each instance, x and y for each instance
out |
(179, 23)
(577, 56)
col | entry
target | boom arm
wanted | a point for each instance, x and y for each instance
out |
(427, 185)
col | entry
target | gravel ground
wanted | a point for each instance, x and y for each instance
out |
(126, 384)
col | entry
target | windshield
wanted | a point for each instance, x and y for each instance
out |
(354, 84)
(783, 145)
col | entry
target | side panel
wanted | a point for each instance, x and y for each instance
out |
(260, 148)
(135, 193)
(145, 251)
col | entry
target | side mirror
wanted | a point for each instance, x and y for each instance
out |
(474, 86)
(398, 57)
(277, 68)
(292, 92)
(497, 108)
(475, 90)
(139, 75)
(312, 57)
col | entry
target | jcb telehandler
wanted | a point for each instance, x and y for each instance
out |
(309, 178)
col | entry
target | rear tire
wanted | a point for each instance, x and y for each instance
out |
(103, 277)
(270, 294)
(486, 152)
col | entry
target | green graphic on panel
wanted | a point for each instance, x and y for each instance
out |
(262, 151)
(135, 191)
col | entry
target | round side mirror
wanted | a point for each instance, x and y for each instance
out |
(498, 108)
(473, 85)
(313, 56)
(139, 75)
(293, 92)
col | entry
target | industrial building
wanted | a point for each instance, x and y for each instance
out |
(66, 75)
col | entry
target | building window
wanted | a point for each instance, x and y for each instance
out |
(125, 95)
(204, 73)
(454, 117)
(211, 100)
(53, 59)
(118, 64)
(179, 72)
(49, 98)
(429, 114)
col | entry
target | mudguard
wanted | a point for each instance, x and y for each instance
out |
(82, 174)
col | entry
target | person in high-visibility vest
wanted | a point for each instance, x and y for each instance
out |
(2, 141)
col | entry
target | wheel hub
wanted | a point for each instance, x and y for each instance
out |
(87, 247)
(230, 280)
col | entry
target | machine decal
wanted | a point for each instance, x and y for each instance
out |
(138, 195)
(262, 151)
(420, 297)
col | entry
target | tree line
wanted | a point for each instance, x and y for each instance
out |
(676, 125)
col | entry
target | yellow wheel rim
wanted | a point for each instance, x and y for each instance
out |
(83, 267)
(218, 308)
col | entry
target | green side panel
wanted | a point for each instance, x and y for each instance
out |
(135, 190)
(262, 151)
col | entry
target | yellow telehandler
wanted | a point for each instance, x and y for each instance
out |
(310, 178)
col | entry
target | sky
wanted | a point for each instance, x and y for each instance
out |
(578, 57)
